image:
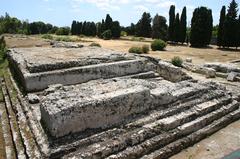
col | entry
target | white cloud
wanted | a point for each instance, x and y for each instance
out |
(106, 5)
(141, 8)
(166, 4)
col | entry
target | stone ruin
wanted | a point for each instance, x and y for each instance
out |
(93, 103)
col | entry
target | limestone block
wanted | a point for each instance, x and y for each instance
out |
(232, 76)
(74, 114)
(170, 72)
(189, 60)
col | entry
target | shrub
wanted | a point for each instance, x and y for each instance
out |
(64, 38)
(123, 33)
(158, 45)
(177, 61)
(63, 31)
(137, 50)
(95, 44)
(47, 36)
(145, 49)
(107, 35)
(138, 39)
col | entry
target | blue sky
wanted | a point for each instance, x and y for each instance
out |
(62, 12)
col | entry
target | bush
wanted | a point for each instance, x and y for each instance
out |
(63, 31)
(64, 38)
(145, 49)
(3, 48)
(47, 36)
(107, 35)
(177, 61)
(123, 33)
(95, 44)
(158, 45)
(138, 39)
(137, 50)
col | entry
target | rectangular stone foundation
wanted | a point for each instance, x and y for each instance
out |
(36, 73)
(40, 81)
(101, 111)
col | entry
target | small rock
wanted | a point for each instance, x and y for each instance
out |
(33, 99)
(210, 73)
(232, 76)
(189, 60)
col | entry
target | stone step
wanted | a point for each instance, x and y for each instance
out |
(40, 81)
(163, 139)
(178, 145)
(143, 75)
(30, 145)
(120, 142)
(10, 152)
(175, 92)
(199, 97)
(188, 115)
(35, 136)
(16, 135)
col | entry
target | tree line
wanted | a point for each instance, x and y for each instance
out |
(199, 34)
(13, 25)
(106, 29)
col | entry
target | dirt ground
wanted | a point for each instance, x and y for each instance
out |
(198, 55)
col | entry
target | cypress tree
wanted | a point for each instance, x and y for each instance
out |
(84, 28)
(201, 27)
(159, 28)
(108, 22)
(176, 31)
(238, 32)
(144, 28)
(183, 25)
(220, 40)
(116, 29)
(73, 28)
(79, 28)
(231, 26)
(171, 23)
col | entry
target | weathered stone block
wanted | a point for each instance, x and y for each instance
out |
(232, 76)
(70, 110)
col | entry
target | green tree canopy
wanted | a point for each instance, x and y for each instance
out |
(220, 40)
(183, 25)
(201, 27)
(144, 28)
(159, 28)
(171, 23)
